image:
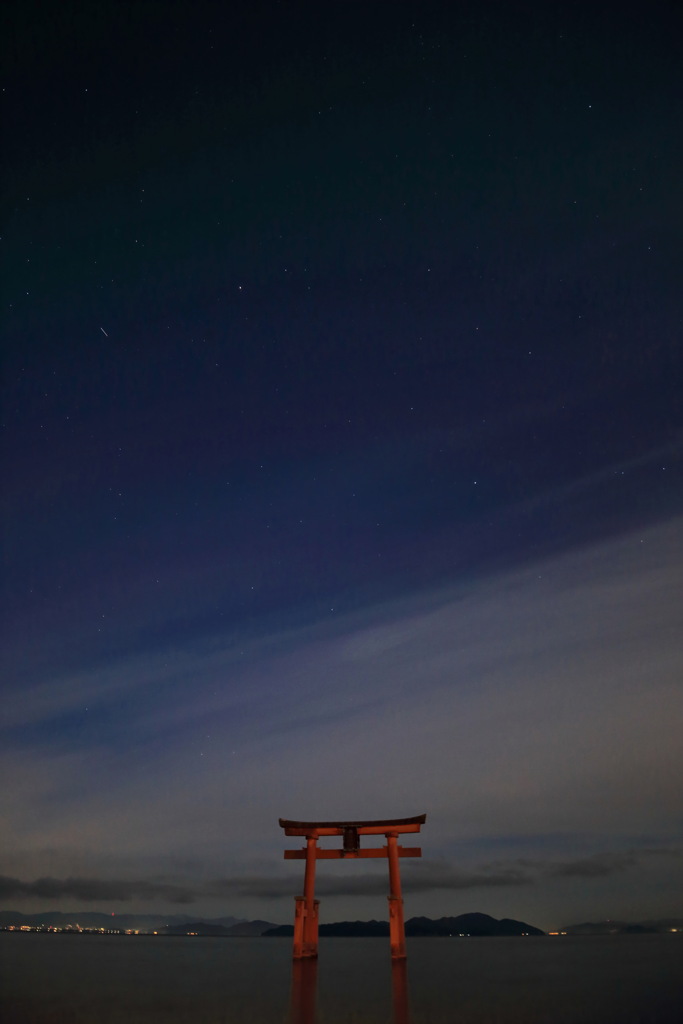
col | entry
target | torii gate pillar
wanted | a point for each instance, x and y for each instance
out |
(397, 932)
(306, 908)
(306, 912)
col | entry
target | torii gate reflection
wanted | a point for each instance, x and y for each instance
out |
(306, 912)
(302, 1008)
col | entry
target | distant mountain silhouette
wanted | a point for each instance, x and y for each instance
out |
(346, 929)
(243, 929)
(91, 919)
(657, 926)
(464, 924)
(472, 925)
(355, 928)
(194, 928)
(248, 928)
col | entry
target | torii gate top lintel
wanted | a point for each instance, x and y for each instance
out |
(338, 828)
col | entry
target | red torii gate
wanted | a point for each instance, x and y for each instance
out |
(306, 913)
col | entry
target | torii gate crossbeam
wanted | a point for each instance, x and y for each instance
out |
(306, 912)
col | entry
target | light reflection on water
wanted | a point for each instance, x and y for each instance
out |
(80, 979)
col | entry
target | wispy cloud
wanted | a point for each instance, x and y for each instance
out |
(542, 700)
(599, 866)
(427, 876)
(94, 890)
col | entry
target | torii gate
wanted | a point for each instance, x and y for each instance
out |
(306, 913)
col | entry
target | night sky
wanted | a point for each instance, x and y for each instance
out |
(342, 451)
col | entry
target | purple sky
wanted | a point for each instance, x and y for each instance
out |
(342, 436)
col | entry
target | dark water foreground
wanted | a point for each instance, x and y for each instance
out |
(80, 979)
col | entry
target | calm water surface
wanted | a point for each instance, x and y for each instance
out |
(80, 979)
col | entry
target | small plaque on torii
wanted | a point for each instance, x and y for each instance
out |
(306, 913)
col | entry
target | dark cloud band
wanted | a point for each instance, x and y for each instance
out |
(428, 877)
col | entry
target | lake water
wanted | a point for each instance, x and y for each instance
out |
(81, 979)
